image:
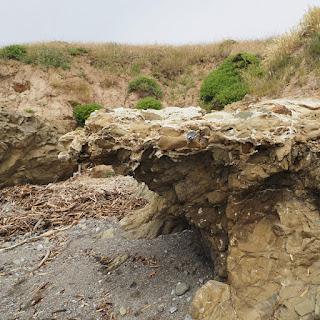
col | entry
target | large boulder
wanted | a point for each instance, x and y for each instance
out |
(29, 151)
(247, 180)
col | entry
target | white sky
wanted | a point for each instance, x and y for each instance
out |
(147, 21)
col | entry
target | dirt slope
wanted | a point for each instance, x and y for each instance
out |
(102, 74)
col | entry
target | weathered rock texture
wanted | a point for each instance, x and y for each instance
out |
(29, 151)
(248, 181)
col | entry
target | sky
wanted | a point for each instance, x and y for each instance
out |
(147, 21)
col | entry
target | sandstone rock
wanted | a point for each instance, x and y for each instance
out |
(29, 151)
(181, 288)
(317, 305)
(305, 307)
(248, 181)
(123, 311)
(211, 300)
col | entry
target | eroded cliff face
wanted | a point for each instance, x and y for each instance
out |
(29, 151)
(247, 180)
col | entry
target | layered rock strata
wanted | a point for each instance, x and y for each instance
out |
(248, 181)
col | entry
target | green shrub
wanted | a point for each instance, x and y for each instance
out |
(225, 84)
(14, 52)
(49, 57)
(79, 51)
(145, 86)
(149, 103)
(82, 112)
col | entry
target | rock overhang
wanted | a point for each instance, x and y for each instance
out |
(235, 176)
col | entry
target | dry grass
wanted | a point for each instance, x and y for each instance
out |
(162, 61)
(77, 88)
(109, 82)
(289, 57)
(165, 62)
(179, 69)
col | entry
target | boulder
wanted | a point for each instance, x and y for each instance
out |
(29, 151)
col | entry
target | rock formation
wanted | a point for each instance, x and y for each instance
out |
(29, 151)
(248, 181)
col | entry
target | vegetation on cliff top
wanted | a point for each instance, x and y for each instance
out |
(83, 112)
(289, 64)
(145, 86)
(149, 103)
(292, 59)
(225, 84)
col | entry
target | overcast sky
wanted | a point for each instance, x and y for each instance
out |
(147, 21)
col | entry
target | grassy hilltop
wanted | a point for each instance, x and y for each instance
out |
(63, 75)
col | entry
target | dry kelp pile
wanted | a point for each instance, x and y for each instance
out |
(32, 208)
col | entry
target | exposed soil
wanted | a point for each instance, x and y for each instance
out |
(92, 271)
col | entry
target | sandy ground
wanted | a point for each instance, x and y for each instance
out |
(92, 271)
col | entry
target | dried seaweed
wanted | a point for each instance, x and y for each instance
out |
(32, 208)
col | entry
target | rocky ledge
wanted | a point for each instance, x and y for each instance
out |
(29, 151)
(248, 181)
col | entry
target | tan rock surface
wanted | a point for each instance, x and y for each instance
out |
(247, 180)
(29, 151)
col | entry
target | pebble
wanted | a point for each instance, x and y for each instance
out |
(173, 309)
(123, 311)
(82, 226)
(161, 307)
(181, 288)
(188, 317)
(40, 247)
(18, 261)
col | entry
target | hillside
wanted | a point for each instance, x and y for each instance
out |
(100, 73)
(49, 79)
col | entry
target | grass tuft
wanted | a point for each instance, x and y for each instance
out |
(49, 57)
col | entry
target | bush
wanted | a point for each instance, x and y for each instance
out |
(14, 52)
(225, 84)
(149, 103)
(82, 112)
(77, 51)
(145, 86)
(49, 57)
